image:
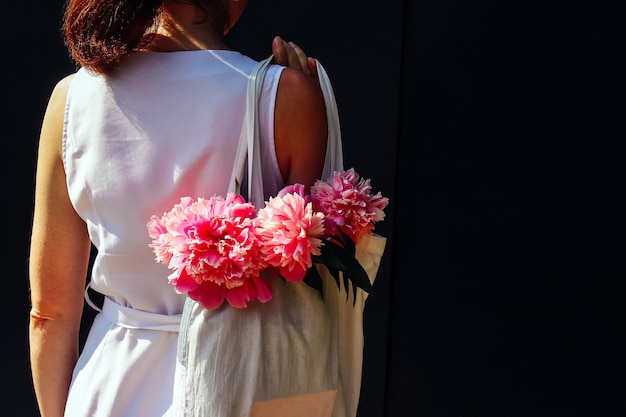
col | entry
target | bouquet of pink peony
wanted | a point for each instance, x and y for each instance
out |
(220, 248)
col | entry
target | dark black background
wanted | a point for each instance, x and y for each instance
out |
(497, 130)
(511, 166)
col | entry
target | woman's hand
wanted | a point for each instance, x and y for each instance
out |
(291, 55)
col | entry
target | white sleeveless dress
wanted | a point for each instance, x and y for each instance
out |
(165, 126)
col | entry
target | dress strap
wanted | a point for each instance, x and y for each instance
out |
(88, 300)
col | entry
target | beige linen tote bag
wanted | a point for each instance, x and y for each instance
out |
(298, 355)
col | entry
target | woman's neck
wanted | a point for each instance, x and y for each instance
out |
(179, 30)
(168, 43)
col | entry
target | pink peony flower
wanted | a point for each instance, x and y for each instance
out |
(219, 248)
(347, 202)
(212, 247)
(290, 232)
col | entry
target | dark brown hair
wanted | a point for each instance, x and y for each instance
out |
(101, 33)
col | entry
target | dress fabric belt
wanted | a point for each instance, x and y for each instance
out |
(131, 318)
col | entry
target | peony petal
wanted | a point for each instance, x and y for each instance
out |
(184, 282)
(238, 297)
(296, 273)
(292, 189)
(209, 295)
(263, 289)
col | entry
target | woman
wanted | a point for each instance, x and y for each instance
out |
(154, 113)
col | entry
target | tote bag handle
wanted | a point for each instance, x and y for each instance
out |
(248, 149)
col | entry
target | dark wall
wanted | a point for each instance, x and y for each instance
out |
(508, 280)
(497, 130)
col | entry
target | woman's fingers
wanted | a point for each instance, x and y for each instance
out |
(291, 55)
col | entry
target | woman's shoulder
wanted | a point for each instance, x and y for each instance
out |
(294, 87)
(63, 84)
(301, 129)
(60, 92)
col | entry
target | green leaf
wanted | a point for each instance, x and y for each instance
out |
(340, 260)
(332, 256)
(350, 246)
(314, 280)
(335, 274)
(347, 286)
